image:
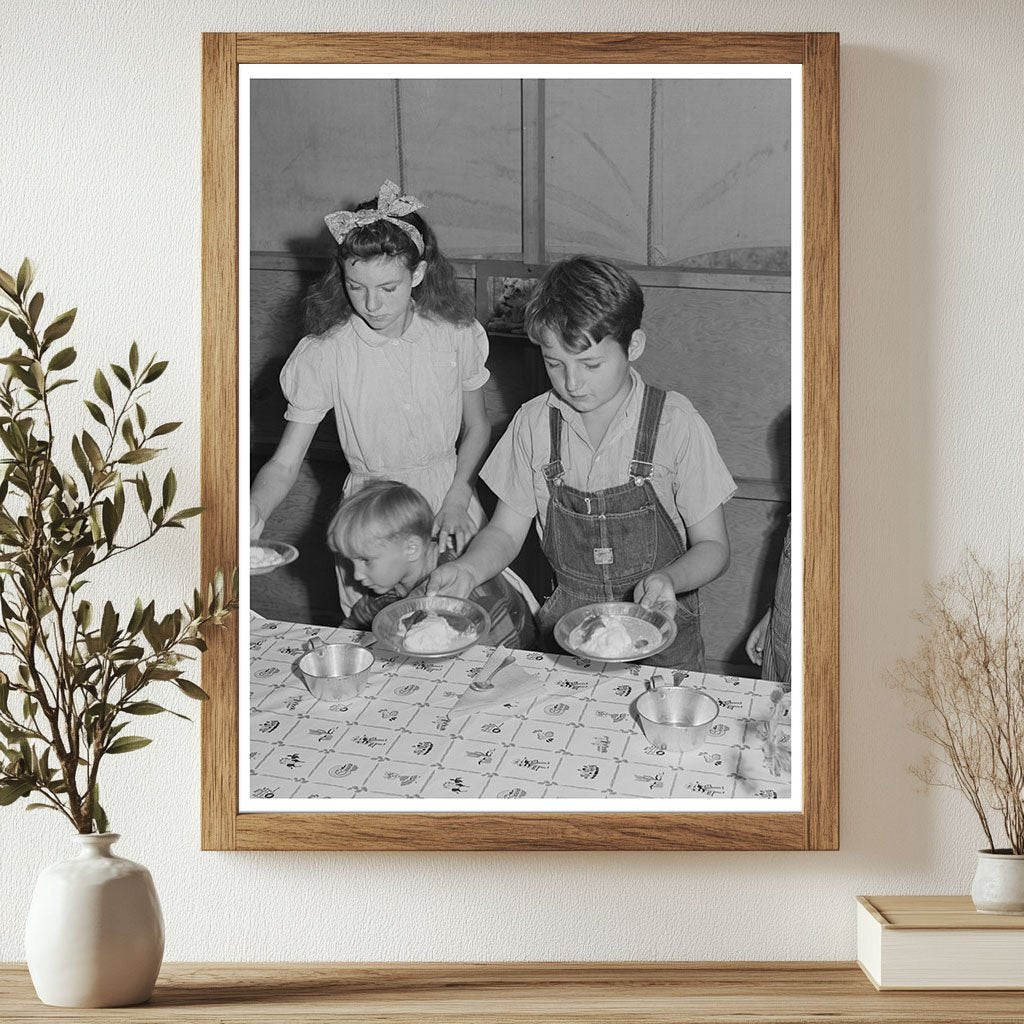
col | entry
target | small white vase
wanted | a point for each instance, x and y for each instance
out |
(95, 933)
(999, 882)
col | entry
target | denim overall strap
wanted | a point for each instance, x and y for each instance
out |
(554, 469)
(642, 465)
(602, 543)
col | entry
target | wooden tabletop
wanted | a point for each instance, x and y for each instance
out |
(660, 993)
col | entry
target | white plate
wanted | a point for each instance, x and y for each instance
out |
(287, 552)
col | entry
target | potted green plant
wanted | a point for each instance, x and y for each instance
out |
(75, 671)
(967, 683)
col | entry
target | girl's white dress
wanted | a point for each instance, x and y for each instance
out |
(397, 402)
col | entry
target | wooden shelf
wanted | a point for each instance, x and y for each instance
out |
(432, 993)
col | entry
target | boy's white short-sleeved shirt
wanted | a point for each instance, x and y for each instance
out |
(689, 476)
(397, 401)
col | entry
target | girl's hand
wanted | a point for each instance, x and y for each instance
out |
(657, 592)
(452, 524)
(256, 522)
(755, 642)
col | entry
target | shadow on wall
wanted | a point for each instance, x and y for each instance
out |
(887, 205)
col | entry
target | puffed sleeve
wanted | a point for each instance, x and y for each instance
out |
(305, 382)
(702, 481)
(473, 350)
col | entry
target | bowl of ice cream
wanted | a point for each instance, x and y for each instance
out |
(615, 631)
(268, 555)
(431, 627)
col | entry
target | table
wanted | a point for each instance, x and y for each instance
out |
(525, 993)
(576, 739)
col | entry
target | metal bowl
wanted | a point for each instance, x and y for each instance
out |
(565, 626)
(287, 552)
(336, 671)
(390, 623)
(676, 717)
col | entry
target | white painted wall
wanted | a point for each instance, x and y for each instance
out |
(100, 183)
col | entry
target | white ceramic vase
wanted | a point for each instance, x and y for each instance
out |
(998, 886)
(95, 933)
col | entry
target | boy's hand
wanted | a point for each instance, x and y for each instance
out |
(452, 580)
(656, 592)
(755, 642)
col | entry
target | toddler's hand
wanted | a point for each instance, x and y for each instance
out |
(658, 592)
(755, 642)
(256, 523)
(453, 526)
(452, 580)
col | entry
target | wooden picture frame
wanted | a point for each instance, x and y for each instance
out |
(816, 825)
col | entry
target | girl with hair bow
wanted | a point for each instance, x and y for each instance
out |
(393, 349)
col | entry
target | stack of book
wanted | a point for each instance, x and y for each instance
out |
(938, 942)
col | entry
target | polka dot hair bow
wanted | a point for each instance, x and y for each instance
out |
(390, 206)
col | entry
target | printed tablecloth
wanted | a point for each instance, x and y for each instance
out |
(578, 738)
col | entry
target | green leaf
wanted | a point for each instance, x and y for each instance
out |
(154, 371)
(119, 498)
(128, 433)
(125, 744)
(191, 690)
(7, 283)
(99, 817)
(110, 521)
(95, 412)
(108, 626)
(170, 487)
(121, 374)
(14, 790)
(34, 309)
(20, 328)
(133, 358)
(78, 453)
(143, 707)
(165, 428)
(102, 388)
(92, 449)
(140, 415)
(185, 513)
(26, 273)
(60, 326)
(4, 314)
(139, 455)
(145, 497)
(42, 807)
(63, 359)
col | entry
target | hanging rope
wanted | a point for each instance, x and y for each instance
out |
(399, 135)
(650, 175)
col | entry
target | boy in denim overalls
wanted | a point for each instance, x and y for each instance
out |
(624, 479)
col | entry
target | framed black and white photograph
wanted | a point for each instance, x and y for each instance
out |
(521, 353)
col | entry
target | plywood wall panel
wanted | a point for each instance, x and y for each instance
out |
(729, 353)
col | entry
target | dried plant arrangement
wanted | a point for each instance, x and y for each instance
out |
(80, 672)
(967, 682)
